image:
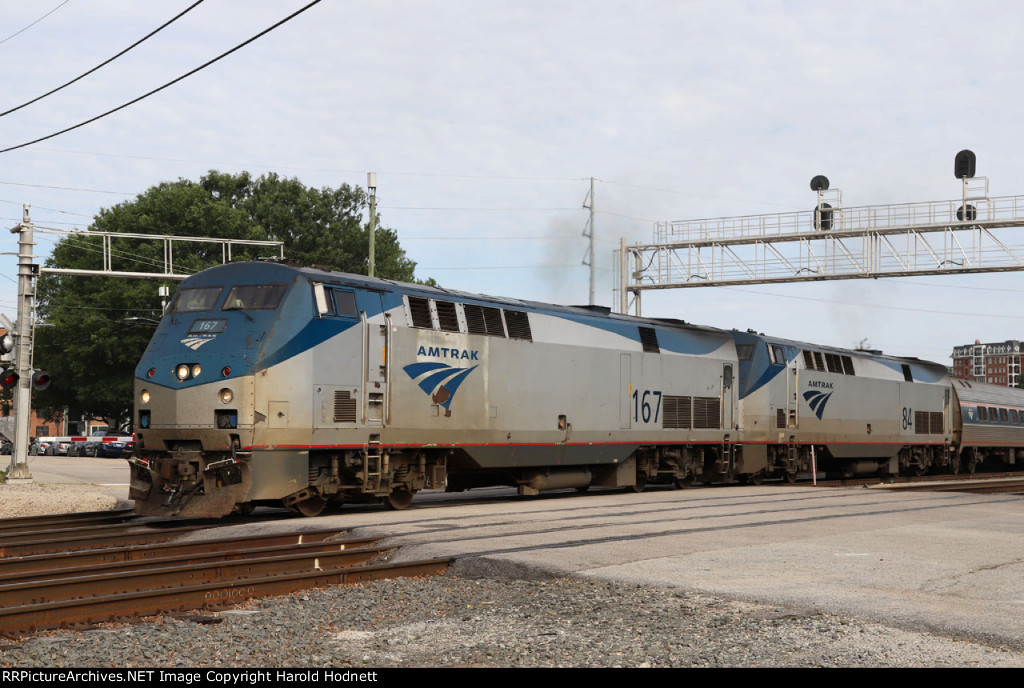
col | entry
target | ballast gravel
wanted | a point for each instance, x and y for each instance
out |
(450, 621)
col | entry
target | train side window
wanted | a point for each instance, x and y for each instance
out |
(993, 414)
(848, 365)
(906, 373)
(745, 352)
(1004, 416)
(1014, 417)
(518, 324)
(780, 355)
(649, 340)
(344, 303)
(419, 313)
(982, 413)
(835, 363)
(484, 320)
(447, 318)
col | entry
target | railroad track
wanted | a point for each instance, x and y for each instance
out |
(979, 483)
(117, 581)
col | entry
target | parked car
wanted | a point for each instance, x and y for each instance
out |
(79, 448)
(6, 447)
(113, 450)
(58, 448)
(38, 448)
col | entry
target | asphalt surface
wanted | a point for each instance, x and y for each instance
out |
(938, 561)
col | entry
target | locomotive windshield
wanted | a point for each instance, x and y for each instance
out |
(195, 299)
(254, 297)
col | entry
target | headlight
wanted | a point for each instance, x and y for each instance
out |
(182, 372)
(225, 396)
(145, 396)
(196, 369)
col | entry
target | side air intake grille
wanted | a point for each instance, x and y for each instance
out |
(344, 407)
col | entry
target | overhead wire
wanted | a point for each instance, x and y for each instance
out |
(168, 84)
(35, 22)
(108, 61)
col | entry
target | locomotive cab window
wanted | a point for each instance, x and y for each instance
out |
(344, 302)
(334, 301)
(254, 297)
(195, 300)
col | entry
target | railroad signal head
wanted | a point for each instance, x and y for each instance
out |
(6, 343)
(40, 380)
(9, 378)
(964, 164)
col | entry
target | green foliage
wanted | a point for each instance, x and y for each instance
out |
(93, 330)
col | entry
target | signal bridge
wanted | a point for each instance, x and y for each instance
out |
(975, 233)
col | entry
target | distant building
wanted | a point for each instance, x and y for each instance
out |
(39, 425)
(997, 363)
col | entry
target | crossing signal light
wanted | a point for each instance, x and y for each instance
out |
(9, 379)
(40, 380)
(6, 344)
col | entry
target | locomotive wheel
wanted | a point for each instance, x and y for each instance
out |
(398, 499)
(313, 506)
(639, 485)
(681, 483)
(789, 477)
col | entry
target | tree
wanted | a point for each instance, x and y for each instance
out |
(93, 330)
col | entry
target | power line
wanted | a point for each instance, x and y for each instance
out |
(68, 188)
(169, 83)
(105, 63)
(35, 22)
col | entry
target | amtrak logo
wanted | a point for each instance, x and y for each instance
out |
(439, 380)
(817, 400)
(195, 342)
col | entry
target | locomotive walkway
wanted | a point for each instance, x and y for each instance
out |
(944, 562)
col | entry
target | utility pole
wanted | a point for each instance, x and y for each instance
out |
(23, 349)
(588, 231)
(371, 187)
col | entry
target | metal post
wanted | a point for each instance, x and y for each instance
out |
(371, 186)
(623, 296)
(23, 351)
(589, 233)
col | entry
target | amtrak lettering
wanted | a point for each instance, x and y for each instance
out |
(445, 352)
(816, 399)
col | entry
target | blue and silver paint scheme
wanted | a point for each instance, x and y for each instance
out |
(336, 406)
(266, 383)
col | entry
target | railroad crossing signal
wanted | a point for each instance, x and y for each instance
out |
(40, 380)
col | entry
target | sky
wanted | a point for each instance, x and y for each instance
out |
(485, 122)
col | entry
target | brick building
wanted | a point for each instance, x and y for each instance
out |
(997, 363)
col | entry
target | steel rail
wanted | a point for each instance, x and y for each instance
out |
(212, 568)
(26, 523)
(12, 566)
(23, 619)
(63, 540)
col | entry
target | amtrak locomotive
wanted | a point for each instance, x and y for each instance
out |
(269, 384)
